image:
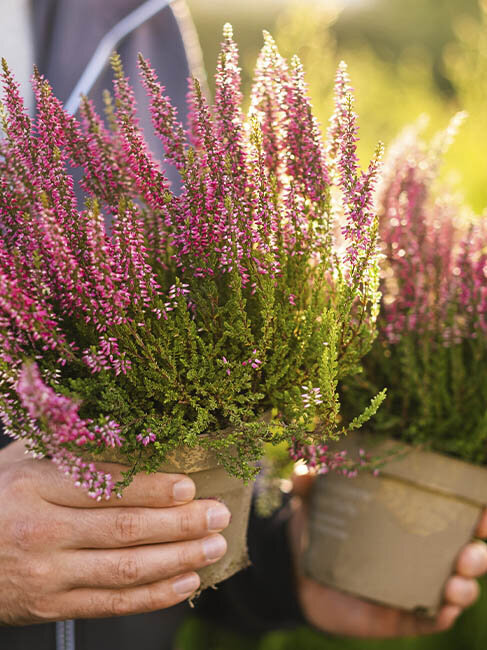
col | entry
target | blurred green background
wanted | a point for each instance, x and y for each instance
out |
(406, 58)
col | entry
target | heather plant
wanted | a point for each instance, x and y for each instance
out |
(431, 350)
(150, 317)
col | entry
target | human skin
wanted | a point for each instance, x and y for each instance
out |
(338, 613)
(64, 555)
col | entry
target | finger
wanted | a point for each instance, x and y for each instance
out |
(472, 560)
(482, 526)
(460, 591)
(157, 490)
(446, 617)
(380, 622)
(341, 614)
(412, 625)
(122, 527)
(101, 603)
(139, 566)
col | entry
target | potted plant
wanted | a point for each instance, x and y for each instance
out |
(394, 539)
(157, 328)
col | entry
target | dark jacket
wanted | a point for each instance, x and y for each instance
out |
(66, 33)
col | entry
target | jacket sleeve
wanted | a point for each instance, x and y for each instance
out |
(262, 597)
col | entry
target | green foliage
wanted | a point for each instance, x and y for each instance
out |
(437, 394)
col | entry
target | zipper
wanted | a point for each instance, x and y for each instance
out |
(65, 635)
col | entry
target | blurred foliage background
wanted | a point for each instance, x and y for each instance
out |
(406, 58)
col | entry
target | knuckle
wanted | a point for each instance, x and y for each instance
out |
(157, 489)
(42, 609)
(186, 522)
(125, 602)
(156, 597)
(128, 570)
(120, 603)
(27, 532)
(186, 557)
(128, 526)
(37, 572)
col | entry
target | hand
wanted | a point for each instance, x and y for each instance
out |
(64, 555)
(338, 613)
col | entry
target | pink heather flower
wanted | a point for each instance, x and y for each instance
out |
(146, 439)
(357, 188)
(253, 362)
(108, 434)
(225, 362)
(177, 292)
(164, 116)
(147, 175)
(434, 267)
(107, 357)
(63, 425)
(336, 127)
(60, 413)
(311, 397)
(228, 101)
(267, 98)
(305, 161)
(324, 460)
(51, 156)
(25, 314)
(131, 256)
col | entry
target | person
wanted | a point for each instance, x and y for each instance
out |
(64, 556)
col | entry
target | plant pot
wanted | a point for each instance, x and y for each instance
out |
(394, 539)
(212, 481)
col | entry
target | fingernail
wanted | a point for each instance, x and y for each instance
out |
(183, 490)
(185, 585)
(218, 517)
(214, 547)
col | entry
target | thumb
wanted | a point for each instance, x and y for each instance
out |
(303, 479)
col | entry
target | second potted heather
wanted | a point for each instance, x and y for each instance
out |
(160, 328)
(395, 538)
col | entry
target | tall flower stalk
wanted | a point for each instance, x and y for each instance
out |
(193, 312)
